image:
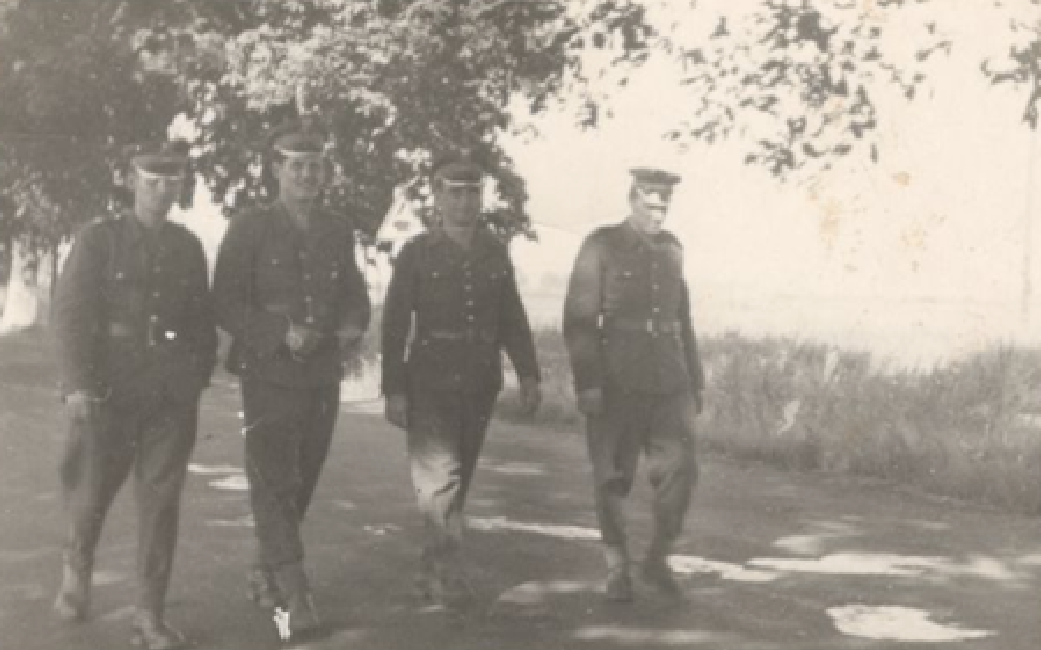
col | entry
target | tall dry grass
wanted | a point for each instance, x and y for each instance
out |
(969, 429)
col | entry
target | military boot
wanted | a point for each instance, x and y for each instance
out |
(655, 571)
(73, 599)
(303, 621)
(262, 588)
(619, 585)
(152, 633)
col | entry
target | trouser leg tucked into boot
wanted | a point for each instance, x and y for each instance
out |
(73, 601)
(619, 585)
(152, 633)
(299, 604)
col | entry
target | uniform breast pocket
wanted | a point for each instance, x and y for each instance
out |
(274, 276)
(122, 293)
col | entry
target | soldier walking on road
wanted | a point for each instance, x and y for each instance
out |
(290, 293)
(454, 289)
(134, 325)
(638, 377)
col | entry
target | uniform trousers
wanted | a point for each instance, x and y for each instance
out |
(155, 438)
(288, 433)
(446, 430)
(661, 427)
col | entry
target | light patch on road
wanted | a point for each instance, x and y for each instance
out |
(103, 577)
(121, 614)
(213, 470)
(1032, 560)
(245, 521)
(551, 530)
(930, 525)
(643, 636)
(530, 593)
(897, 624)
(362, 406)
(23, 592)
(344, 504)
(514, 469)
(888, 565)
(381, 529)
(8, 556)
(854, 564)
(235, 483)
(691, 565)
(813, 543)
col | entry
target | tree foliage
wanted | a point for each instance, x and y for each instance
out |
(797, 82)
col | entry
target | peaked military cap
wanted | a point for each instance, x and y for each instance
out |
(298, 137)
(652, 177)
(161, 159)
(458, 169)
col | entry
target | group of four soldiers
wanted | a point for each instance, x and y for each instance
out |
(135, 321)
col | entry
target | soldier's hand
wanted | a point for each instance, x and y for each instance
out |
(80, 405)
(348, 336)
(302, 340)
(590, 402)
(530, 395)
(396, 410)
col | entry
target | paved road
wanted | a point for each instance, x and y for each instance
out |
(772, 560)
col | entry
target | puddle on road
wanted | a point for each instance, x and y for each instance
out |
(208, 470)
(236, 483)
(897, 624)
(691, 565)
(551, 530)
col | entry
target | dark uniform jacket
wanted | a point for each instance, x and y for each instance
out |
(627, 314)
(465, 308)
(270, 274)
(132, 315)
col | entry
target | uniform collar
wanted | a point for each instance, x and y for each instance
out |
(134, 229)
(484, 242)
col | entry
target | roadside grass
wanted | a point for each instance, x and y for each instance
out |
(969, 429)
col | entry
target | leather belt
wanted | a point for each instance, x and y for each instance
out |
(649, 325)
(156, 335)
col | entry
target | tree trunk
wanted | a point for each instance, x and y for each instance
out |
(28, 290)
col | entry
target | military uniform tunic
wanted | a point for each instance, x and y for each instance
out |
(628, 331)
(134, 324)
(269, 275)
(448, 315)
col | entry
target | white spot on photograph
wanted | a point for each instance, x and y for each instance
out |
(898, 624)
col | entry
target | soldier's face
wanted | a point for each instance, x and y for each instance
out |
(459, 205)
(154, 195)
(650, 207)
(301, 176)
